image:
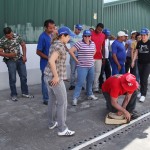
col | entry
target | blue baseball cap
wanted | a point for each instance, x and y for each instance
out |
(65, 30)
(79, 26)
(144, 31)
(87, 32)
(106, 32)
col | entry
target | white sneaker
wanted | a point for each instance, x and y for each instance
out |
(55, 125)
(142, 99)
(139, 95)
(92, 97)
(74, 102)
(66, 132)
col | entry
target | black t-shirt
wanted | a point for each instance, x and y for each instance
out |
(143, 52)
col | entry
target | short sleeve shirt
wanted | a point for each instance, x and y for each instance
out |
(60, 48)
(99, 40)
(113, 87)
(143, 52)
(44, 43)
(85, 53)
(119, 49)
(12, 45)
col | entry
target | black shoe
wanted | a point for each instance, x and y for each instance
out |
(72, 87)
(45, 102)
(134, 115)
(83, 88)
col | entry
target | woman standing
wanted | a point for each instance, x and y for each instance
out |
(55, 73)
(143, 52)
(85, 66)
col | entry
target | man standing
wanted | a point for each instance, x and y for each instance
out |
(99, 39)
(74, 38)
(43, 47)
(15, 61)
(118, 54)
(106, 68)
(116, 86)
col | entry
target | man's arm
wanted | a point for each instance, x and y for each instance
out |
(42, 55)
(9, 55)
(120, 108)
(116, 61)
(126, 100)
(23, 45)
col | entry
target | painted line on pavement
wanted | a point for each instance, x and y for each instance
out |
(109, 133)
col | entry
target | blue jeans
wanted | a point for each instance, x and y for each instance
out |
(115, 69)
(44, 88)
(84, 73)
(73, 71)
(20, 67)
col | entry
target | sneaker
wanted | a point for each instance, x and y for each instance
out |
(92, 97)
(142, 99)
(27, 96)
(71, 87)
(139, 95)
(96, 91)
(74, 102)
(54, 126)
(14, 98)
(66, 132)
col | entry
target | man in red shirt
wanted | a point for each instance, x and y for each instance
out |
(99, 39)
(116, 86)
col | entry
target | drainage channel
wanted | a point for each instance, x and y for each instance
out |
(108, 135)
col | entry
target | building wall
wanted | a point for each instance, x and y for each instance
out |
(129, 16)
(25, 15)
(33, 68)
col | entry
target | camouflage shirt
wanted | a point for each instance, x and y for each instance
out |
(12, 45)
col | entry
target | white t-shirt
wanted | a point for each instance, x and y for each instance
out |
(107, 45)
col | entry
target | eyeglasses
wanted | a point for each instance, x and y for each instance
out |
(87, 35)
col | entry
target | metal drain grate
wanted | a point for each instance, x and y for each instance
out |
(111, 137)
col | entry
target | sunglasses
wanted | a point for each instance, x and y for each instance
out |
(87, 35)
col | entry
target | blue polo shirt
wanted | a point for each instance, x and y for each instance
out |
(118, 48)
(44, 43)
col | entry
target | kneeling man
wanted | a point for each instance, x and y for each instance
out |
(116, 86)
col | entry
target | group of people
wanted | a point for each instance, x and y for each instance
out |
(93, 57)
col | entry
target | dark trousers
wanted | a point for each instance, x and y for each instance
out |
(127, 64)
(144, 71)
(133, 70)
(130, 107)
(106, 68)
(20, 67)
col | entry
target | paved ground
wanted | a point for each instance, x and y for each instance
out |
(23, 125)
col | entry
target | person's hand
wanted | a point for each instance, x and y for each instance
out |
(127, 115)
(54, 81)
(132, 64)
(77, 61)
(119, 113)
(119, 67)
(24, 58)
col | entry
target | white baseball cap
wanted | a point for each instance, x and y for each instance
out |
(133, 32)
(121, 33)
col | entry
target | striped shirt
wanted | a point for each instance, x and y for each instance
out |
(85, 53)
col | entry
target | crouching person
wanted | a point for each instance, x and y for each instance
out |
(116, 86)
(54, 74)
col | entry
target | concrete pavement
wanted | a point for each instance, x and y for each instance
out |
(23, 124)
